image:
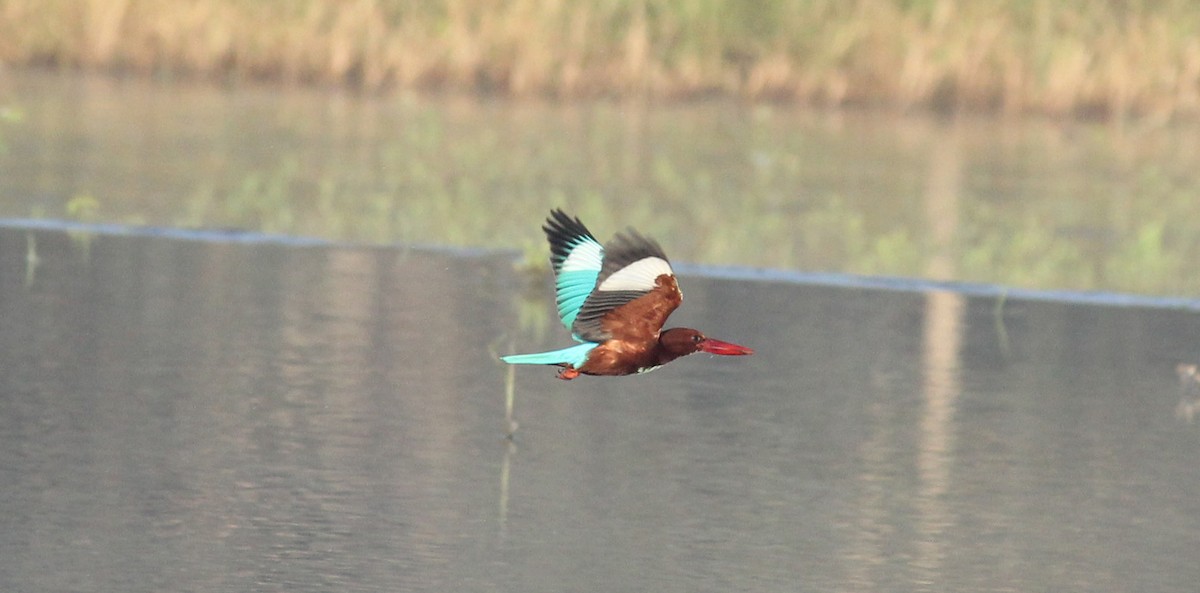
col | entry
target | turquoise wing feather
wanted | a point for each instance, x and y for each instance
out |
(577, 258)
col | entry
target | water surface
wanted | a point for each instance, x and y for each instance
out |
(231, 416)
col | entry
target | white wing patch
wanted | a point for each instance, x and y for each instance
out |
(584, 257)
(639, 275)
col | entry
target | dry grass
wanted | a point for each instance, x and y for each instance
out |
(1094, 57)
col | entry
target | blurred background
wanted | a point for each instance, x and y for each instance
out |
(1039, 144)
(188, 415)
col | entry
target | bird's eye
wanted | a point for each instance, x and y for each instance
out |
(696, 338)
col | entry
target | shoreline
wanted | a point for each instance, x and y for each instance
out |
(1087, 60)
(839, 280)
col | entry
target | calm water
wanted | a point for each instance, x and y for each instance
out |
(180, 415)
(1031, 203)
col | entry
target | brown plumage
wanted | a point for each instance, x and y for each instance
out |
(617, 298)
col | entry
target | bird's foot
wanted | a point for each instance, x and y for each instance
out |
(568, 373)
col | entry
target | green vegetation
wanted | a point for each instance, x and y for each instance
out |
(736, 192)
(438, 188)
(1040, 204)
(1094, 57)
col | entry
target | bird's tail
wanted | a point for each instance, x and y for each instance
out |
(574, 356)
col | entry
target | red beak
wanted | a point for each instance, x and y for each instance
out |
(712, 346)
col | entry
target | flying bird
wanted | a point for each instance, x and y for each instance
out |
(614, 299)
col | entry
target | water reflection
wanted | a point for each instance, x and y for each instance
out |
(941, 332)
(940, 356)
(1189, 390)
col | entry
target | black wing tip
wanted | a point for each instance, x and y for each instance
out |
(632, 242)
(560, 223)
(564, 232)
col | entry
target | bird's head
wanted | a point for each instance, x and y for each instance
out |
(681, 341)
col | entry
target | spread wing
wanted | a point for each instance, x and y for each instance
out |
(577, 258)
(635, 291)
(624, 290)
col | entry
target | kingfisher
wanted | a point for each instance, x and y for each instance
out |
(614, 299)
